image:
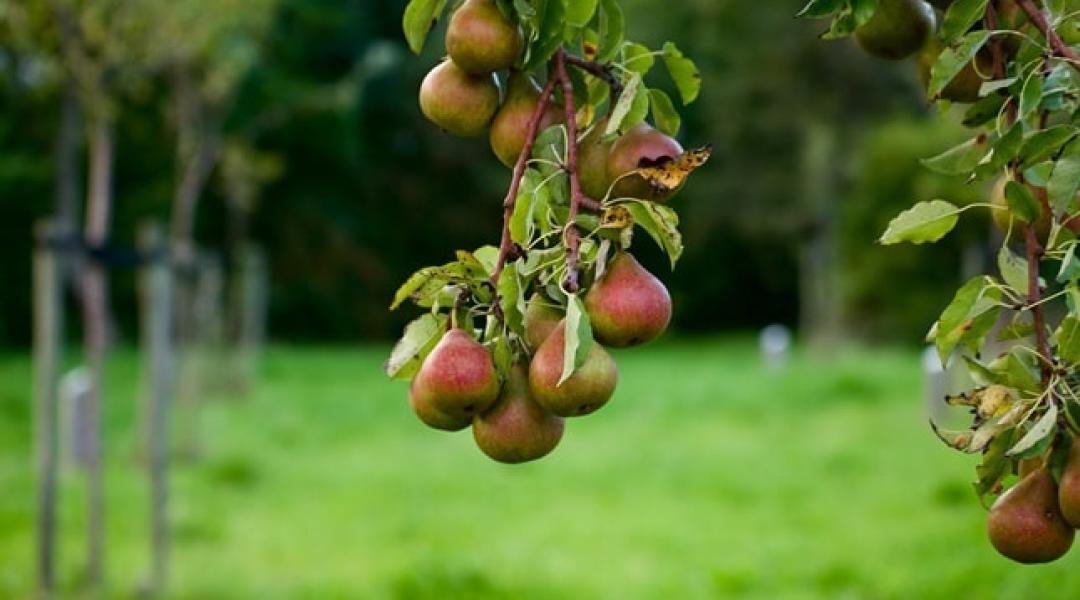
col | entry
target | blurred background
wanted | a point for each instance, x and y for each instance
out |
(287, 131)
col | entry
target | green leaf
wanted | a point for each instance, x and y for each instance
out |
(512, 299)
(1038, 437)
(624, 106)
(1065, 180)
(968, 317)
(611, 31)
(638, 58)
(959, 160)
(816, 9)
(863, 11)
(953, 60)
(1013, 270)
(924, 222)
(579, 338)
(843, 25)
(1070, 266)
(661, 223)
(995, 465)
(1044, 144)
(1022, 202)
(550, 29)
(1067, 339)
(420, 337)
(665, 116)
(959, 18)
(420, 17)
(580, 12)
(522, 220)
(683, 71)
(1031, 95)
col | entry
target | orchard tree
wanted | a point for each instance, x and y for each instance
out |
(516, 334)
(1014, 65)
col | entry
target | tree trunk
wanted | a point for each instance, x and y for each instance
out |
(819, 315)
(95, 337)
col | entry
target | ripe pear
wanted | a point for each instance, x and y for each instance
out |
(592, 155)
(641, 146)
(457, 102)
(898, 29)
(511, 123)
(457, 379)
(431, 416)
(1002, 214)
(1069, 487)
(481, 40)
(588, 389)
(541, 318)
(1025, 523)
(628, 305)
(965, 86)
(517, 429)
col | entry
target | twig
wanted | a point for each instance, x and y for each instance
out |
(571, 234)
(996, 44)
(597, 70)
(1034, 254)
(1056, 43)
(506, 246)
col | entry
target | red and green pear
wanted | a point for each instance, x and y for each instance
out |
(593, 154)
(517, 429)
(898, 29)
(628, 305)
(541, 318)
(1026, 525)
(641, 146)
(481, 40)
(457, 102)
(511, 123)
(588, 389)
(1069, 486)
(457, 380)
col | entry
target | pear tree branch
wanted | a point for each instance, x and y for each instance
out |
(506, 246)
(1056, 43)
(597, 70)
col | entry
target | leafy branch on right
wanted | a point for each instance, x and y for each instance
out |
(1014, 65)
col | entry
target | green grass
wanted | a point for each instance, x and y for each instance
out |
(706, 477)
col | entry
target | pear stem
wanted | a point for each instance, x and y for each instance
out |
(599, 71)
(571, 234)
(506, 246)
(1056, 43)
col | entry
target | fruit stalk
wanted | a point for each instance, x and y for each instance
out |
(507, 244)
(1056, 43)
(571, 234)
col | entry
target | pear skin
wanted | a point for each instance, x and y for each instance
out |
(540, 320)
(457, 379)
(641, 146)
(898, 29)
(431, 416)
(593, 154)
(1069, 486)
(481, 40)
(588, 389)
(511, 123)
(517, 429)
(457, 102)
(628, 305)
(1025, 523)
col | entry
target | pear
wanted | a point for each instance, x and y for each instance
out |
(628, 305)
(588, 389)
(481, 40)
(898, 29)
(1069, 487)
(1025, 523)
(541, 318)
(592, 156)
(511, 123)
(431, 416)
(457, 379)
(642, 146)
(517, 429)
(457, 102)
(1002, 214)
(965, 86)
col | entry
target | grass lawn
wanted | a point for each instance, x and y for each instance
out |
(706, 477)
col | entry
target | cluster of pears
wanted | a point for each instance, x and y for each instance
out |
(902, 28)
(519, 417)
(463, 96)
(1035, 520)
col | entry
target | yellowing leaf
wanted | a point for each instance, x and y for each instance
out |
(670, 173)
(616, 217)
